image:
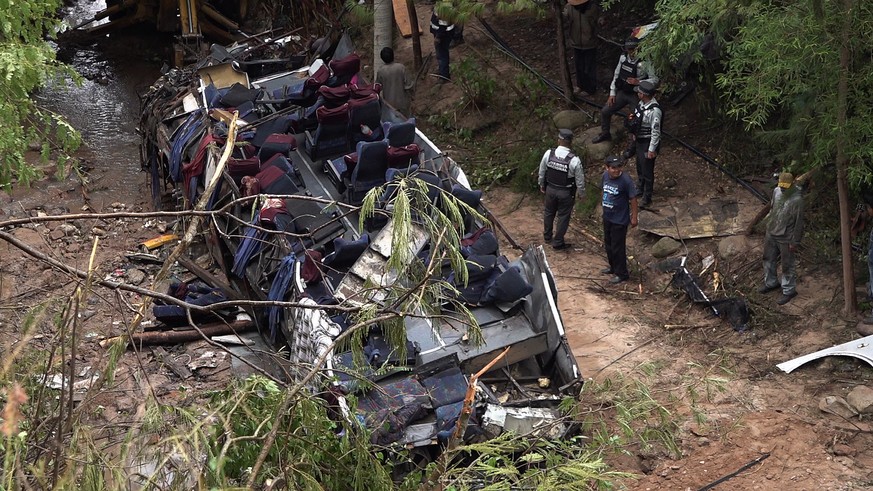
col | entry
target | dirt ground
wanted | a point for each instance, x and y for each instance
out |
(760, 412)
(643, 329)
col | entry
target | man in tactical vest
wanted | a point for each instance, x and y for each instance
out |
(644, 123)
(629, 72)
(561, 178)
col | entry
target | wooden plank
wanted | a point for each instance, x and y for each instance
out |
(401, 17)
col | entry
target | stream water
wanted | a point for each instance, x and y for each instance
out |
(105, 107)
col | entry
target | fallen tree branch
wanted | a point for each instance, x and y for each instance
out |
(173, 337)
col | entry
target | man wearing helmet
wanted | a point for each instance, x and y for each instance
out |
(629, 72)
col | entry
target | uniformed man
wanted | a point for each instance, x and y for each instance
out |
(629, 72)
(644, 124)
(561, 178)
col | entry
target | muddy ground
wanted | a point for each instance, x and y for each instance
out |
(722, 389)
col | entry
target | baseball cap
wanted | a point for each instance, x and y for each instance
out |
(786, 179)
(565, 134)
(613, 161)
(645, 87)
(631, 42)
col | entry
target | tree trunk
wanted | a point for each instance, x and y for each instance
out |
(416, 35)
(557, 7)
(383, 18)
(850, 305)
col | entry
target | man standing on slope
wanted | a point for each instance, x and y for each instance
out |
(396, 84)
(561, 178)
(443, 32)
(582, 17)
(644, 123)
(619, 211)
(784, 231)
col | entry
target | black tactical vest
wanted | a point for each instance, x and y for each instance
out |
(558, 171)
(644, 131)
(628, 70)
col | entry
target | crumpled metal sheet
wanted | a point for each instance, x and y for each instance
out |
(861, 349)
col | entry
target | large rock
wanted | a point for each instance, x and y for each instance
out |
(861, 399)
(598, 152)
(570, 119)
(665, 247)
(837, 405)
(734, 245)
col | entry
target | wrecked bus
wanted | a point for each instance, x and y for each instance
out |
(312, 144)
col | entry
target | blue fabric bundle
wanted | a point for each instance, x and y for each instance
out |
(191, 125)
(277, 292)
(249, 246)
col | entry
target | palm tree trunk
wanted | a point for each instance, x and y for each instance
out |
(383, 18)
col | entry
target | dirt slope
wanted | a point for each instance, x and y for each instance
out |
(755, 411)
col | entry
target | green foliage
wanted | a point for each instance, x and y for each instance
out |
(639, 419)
(458, 11)
(475, 82)
(414, 217)
(779, 70)
(510, 462)
(307, 454)
(27, 62)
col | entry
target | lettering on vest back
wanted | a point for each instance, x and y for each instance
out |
(558, 170)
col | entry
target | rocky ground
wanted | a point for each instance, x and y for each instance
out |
(730, 404)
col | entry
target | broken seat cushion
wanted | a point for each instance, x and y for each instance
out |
(480, 270)
(485, 245)
(507, 288)
(446, 387)
(389, 424)
(274, 180)
(394, 394)
(277, 143)
(237, 94)
(346, 252)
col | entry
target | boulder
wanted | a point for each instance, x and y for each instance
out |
(734, 245)
(598, 152)
(864, 329)
(861, 399)
(837, 405)
(665, 247)
(570, 119)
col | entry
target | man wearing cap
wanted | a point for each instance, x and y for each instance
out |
(582, 17)
(644, 124)
(629, 72)
(561, 178)
(619, 210)
(784, 231)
